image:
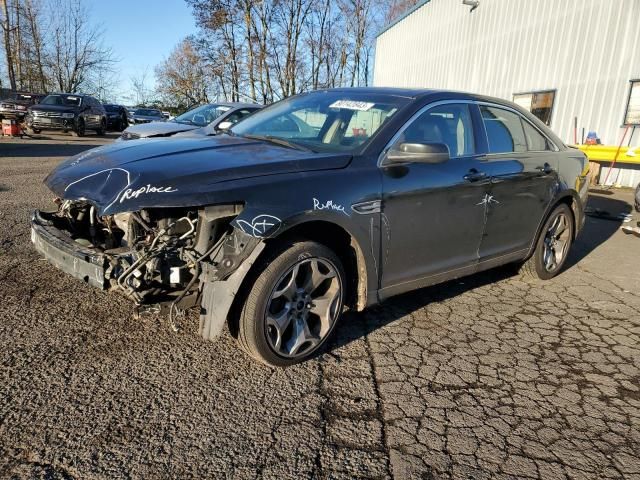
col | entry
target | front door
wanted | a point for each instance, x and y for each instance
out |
(523, 168)
(431, 221)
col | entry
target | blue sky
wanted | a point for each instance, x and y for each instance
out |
(141, 33)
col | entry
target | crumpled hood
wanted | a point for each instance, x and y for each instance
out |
(166, 172)
(159, 129)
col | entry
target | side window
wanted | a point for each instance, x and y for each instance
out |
(238, 115)
(449, 124)
(535, 140)
(504, 130)
(283, 124)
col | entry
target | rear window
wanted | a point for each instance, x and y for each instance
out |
(504, 130)
(535, 140)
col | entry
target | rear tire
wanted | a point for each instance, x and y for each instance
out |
(293, 304)
(553, 245)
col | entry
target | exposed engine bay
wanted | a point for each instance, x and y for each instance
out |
(155, 256)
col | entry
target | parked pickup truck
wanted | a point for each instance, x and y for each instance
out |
(15, 106)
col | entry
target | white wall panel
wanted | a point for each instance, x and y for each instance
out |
(587, 50)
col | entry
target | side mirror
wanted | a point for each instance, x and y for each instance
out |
(224, 126)
(419, 153)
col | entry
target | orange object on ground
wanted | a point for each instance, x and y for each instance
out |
(10, 128)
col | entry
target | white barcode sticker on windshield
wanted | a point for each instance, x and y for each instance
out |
(352, 105)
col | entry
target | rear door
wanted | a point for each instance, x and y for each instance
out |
(522, 165)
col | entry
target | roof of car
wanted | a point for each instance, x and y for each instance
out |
(419, 93)
(70, 94)
(237, 104)
(397, 91)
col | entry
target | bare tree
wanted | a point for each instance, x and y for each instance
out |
(143, 94)
(78, 48)
(270, 49)
(36, 53)
(395, 8)
(7, 33)
(182, 79)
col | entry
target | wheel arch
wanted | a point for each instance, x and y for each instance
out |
(344, 244)
(572, 200)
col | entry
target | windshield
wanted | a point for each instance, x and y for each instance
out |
(148, 112)
(202, 115)
(339, 121)
(62, 100)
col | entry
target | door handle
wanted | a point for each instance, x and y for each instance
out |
(474, 175)
(546, 168)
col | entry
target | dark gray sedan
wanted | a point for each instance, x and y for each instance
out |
(203, 120)
(326, 199)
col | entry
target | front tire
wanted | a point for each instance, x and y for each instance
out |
(79, 131)
(293, 305)
(553, 245)
(103, 127)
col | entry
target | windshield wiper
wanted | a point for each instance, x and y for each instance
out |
(278, 141)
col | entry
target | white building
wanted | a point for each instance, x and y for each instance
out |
(562, 59)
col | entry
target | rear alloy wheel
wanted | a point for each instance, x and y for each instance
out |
(293, 305)
(553, 245)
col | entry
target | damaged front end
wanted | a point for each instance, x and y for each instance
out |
(161, 258)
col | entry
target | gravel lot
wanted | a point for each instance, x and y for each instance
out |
(488, 377)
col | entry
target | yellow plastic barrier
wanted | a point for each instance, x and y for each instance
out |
(607, 153)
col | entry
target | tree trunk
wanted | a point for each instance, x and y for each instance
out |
(250, 57)
(8, 47)
(37, 45)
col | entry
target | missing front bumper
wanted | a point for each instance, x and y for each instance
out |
(69, 256)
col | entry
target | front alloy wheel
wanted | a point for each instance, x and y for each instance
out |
(302, 308)
(293, 305)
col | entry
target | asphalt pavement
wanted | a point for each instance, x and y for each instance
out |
(490, 376)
